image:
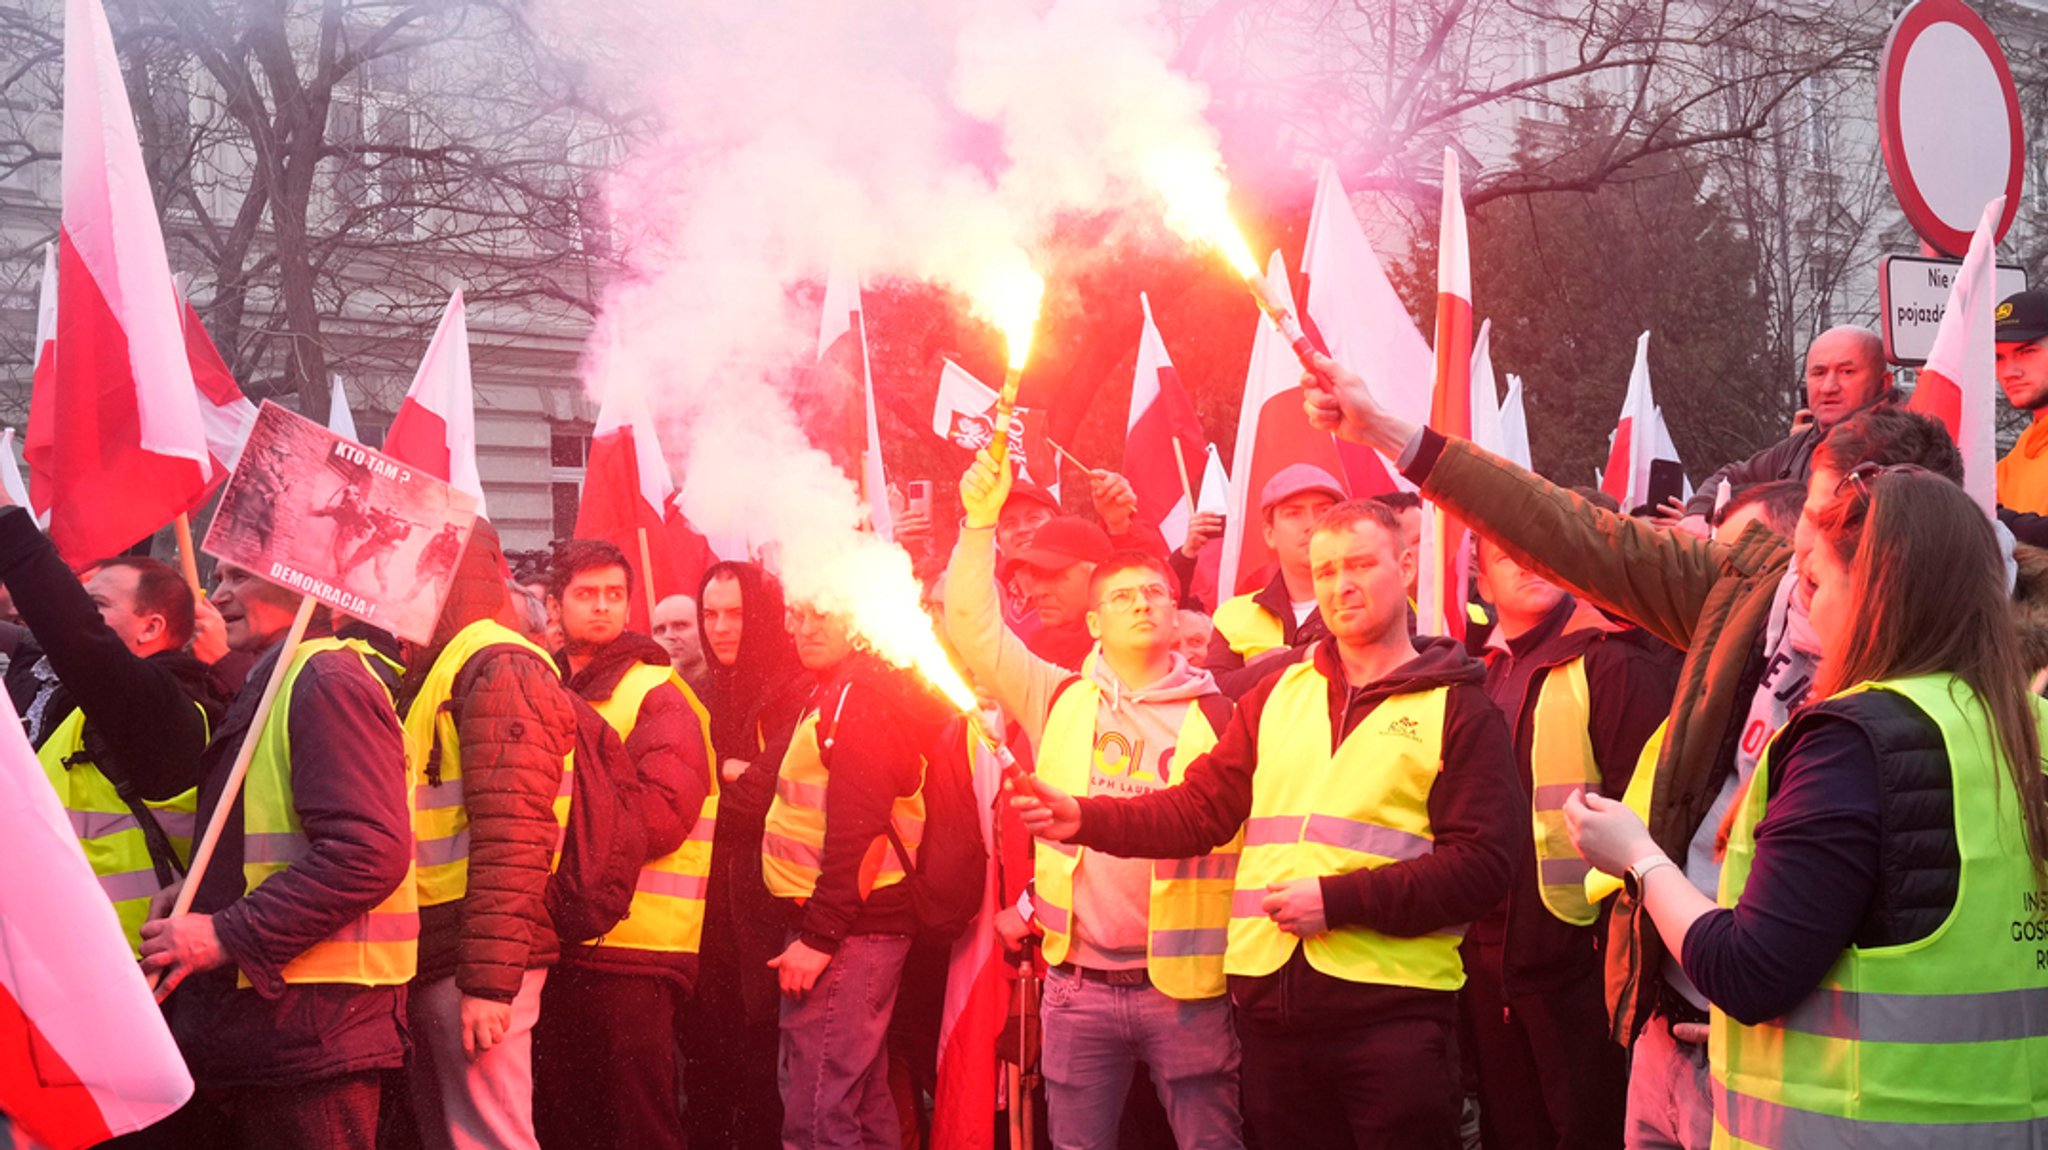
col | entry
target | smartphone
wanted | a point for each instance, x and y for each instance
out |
(918, 496)
(1667, 482)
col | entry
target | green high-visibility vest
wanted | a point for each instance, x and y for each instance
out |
(1940, 1042)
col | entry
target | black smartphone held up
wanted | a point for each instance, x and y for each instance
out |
(1667, 482)
(918, 496)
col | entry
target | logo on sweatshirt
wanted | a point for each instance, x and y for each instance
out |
(1404, 728)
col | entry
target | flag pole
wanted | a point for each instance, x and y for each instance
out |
(224, 808)
(1180, 461)
(1070, 457)
(188, 559)
(647, 574)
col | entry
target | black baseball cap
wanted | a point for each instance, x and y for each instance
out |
(2023, 317)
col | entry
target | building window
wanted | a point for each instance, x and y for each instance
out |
(568, 453)
(1816, 121)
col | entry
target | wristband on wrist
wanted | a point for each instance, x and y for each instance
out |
(1632, 878)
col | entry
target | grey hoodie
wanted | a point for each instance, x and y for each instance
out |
(1136, 730)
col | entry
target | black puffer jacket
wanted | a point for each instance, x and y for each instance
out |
(671, 753)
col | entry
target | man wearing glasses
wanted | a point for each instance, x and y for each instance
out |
(1135, 946)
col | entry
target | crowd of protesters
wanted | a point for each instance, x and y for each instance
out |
(1724, 825)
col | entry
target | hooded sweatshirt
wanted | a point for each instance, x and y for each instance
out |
(1112, 895)
(1477, 819)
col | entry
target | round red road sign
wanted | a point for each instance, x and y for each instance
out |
(1948, 119)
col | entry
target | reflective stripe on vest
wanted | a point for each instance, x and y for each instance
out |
(1316, 813)
(440, 820)
(1250, 629)
(115, 846)
(1941, 1042)
(793, 840)
(667, 912)
(1561, 764)
(381, 946)
(1189, 906)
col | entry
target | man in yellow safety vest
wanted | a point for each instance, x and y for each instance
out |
(604, 1058)
(1373, 784)
(289, 974)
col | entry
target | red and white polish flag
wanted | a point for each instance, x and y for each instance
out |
(1352, 309)
(225, 413)
(340, 420)
(1441, 590)
(978, 986)
(435, 428)
(1272, 432)
(1959, 383)
(1161, 415)
(626, 492)
(1632, 448)
(116, 445)
(84, 1052)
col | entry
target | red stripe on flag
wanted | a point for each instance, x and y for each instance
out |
(1148, 450)
(1614, 480)
(86, 461)
(1938, 397)
(964, 1099)
(39, 1091)
(614, 510)
(1284, 438)
(419, 437)
(1450, 412)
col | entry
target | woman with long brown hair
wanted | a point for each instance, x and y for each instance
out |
(1878, 955)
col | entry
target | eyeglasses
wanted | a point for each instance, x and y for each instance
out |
(1126, 598)
(1861, 476)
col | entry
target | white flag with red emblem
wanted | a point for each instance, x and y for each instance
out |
(1441, 590)
(964, 414)
(116, 445)
(435, 428)
(1161, 417)
(1272, 432)
(84, 1051)
(1959, 383)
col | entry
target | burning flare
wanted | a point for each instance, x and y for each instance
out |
(1197, 200)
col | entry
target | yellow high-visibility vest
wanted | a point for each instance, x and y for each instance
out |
(1939, 1042)
(379, 948)
(1561, 762)
(440, 820)
(1316, 813)
(1189, 913)
(109, 831)
(667, 912)
(793, 841)
(1250, 629)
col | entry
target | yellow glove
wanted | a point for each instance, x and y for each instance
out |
(983, 489)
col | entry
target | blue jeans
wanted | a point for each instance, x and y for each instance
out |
(1095, 1034)
(835, 1058)
(1670, 1106)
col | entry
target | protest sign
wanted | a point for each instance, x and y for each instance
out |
(350, 527)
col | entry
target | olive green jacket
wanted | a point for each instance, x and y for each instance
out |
(1709, 600)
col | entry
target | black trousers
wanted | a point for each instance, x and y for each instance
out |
(337, 1113)
(1550, 1078)
(605, 1070)
(731, 1046)
(1384, 1085)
